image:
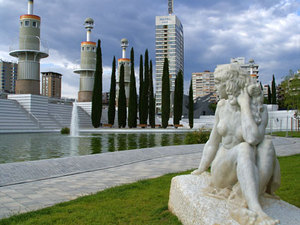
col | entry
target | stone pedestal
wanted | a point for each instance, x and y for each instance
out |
(192, 204)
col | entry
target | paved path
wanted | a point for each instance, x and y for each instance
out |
(33, 185)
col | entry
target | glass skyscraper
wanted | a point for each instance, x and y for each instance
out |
(169, 43)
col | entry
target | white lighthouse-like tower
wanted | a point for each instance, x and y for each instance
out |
(126, 62)
(29, 52)
(87, 64)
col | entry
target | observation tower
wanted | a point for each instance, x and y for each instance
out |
(29, 52)
(126, 62)
(87, 64)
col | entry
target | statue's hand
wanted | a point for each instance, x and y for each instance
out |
(244, 97)
(196, 172)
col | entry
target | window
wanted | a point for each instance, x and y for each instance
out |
(82, 48)
(34, 24)
(21, 23)
(88, 48)
(26, 23)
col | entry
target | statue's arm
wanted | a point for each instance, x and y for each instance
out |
(211, 147)
(252, 133)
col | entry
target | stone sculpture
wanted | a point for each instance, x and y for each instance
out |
(242, 159)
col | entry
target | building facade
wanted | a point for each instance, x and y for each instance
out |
(204, 85)
(29, 52)
(51, 84)
(251, 67)
(87, 64)
(169, 43)
(8, 76)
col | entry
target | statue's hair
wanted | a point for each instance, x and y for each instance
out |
(237, 79)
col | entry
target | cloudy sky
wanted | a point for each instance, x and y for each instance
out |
(214, 31)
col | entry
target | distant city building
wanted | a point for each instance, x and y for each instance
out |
(169, 43)
(105, 98)
(87, 64)
(251, 67)
(203, 85)
(8, 76)
(266, 88)
(126, 62)
(51, 84)
(29, 53)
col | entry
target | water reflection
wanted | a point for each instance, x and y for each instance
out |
(96, 144)
(165, 140)
(122, 141)
(132, 141)
(143, 140)
(151, 140)
(25, 147)
(111, 142)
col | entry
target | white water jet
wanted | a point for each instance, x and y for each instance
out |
(74, 132)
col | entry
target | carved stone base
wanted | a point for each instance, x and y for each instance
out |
(192, 203)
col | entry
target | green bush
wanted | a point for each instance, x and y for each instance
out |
(65, 130)
(197, 137)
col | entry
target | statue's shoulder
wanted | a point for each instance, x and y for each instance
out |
(221, 103)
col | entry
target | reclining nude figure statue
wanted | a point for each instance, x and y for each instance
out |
(239, 153)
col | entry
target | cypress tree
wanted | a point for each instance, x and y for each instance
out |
(112, 95)
(273, 91)
(132, 102)
(122, 100)
(145, 91)
(178, 98)
(165, 97)
(269, 95)
(141, 87)
(191, 106)
(97, 90)
(151, 98)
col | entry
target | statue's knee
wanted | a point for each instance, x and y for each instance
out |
(246, 151)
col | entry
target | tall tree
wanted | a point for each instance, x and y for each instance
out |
(112, 95)
(191, 106)
(151, 98)
(97, 90)
(141, 87)
(132, 102)
(269, 95)
(145, 91)
(178, 98)
(122, 100)
(274, 101)
(165, 97)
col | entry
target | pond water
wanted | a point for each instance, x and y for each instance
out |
(27, 147)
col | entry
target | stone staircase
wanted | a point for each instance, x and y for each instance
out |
(14, 117)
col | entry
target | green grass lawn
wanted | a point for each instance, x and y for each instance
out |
(295, 134)
(143, 202)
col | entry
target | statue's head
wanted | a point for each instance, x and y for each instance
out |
(230, 79)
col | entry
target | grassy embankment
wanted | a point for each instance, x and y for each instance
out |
(294, 134)
(143, 202)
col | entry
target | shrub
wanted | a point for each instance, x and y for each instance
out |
(197, 137)
(65, 130)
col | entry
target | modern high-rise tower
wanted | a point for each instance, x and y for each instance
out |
(168, 43)
(87, 64)
(8, 76)
(29, 53)
(126, 62)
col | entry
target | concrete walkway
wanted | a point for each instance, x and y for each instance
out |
(28, 186)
